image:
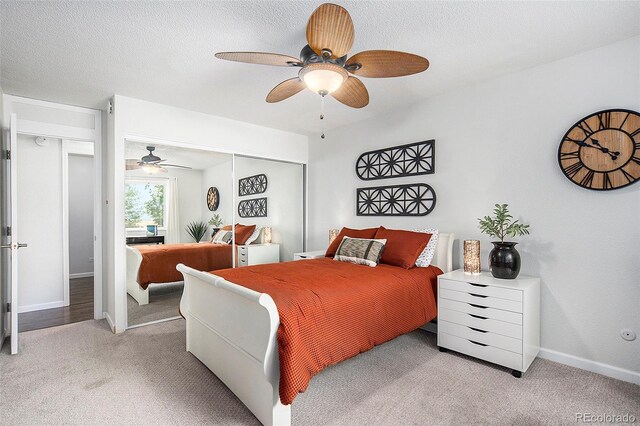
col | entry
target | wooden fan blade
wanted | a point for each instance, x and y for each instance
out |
(131, 164)
(330, 27)
(261, 58)
(285, 90)
(175, 165)
(352, 93)
(387, 63)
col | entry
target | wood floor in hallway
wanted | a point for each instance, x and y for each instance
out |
(80, 308)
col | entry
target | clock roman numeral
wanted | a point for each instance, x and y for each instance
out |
(573, 169)
(573, 155)
(628, 175)
(623, 121)
(577, 142)
(606, 181)
(636, 160)
(637, 132)
(604, 120)
(587, 180)
(584, 126)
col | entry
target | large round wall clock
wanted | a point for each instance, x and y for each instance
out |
(602, 151)
(213, 199)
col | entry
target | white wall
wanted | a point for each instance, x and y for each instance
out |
(40, 224)
(284, 201)
(81, 172)
(156, 123)
(497, 142)
(221, 177)
(190, 197)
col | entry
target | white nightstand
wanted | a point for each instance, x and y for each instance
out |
(257, 254)
(309, 255)
(491, 319)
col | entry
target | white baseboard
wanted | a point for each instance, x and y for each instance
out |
(112, 325)
(81, 275)
(593, 366)
(40, 306)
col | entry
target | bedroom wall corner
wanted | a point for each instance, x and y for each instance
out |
(497, 142)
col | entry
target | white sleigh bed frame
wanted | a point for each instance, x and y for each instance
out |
(233, 329)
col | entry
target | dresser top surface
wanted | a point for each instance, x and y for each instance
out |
(485, 278)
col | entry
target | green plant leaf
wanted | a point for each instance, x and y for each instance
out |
(502, 224)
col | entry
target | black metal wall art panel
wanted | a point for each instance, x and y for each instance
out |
(416, 199)
(256, 207)
(252, 185)
(413, 159)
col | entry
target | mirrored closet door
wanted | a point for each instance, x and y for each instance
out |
(270, 195)
(175, 200)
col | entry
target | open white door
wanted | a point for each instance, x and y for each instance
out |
(10, 243)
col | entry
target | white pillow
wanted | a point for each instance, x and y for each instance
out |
(222, 237)
(254, 236)
(425, 258)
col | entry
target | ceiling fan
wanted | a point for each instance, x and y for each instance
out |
(325, 67)
(150, 163)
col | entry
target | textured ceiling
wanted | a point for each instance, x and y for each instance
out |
(83, 52)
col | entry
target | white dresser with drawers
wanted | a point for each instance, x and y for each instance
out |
(488, 318)
(257, 254)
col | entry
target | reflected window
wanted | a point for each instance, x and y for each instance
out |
(145, 203)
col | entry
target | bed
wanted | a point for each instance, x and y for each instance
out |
(155, 264)
(234, 330)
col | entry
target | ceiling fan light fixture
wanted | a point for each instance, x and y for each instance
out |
(323, 78)
(151, 168)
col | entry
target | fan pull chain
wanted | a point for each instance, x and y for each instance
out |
(322, 115)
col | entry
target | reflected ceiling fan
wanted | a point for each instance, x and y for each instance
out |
(325, 67)
(150, 163)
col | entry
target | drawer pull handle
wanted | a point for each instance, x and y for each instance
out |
(478, 285)
(478, 316)
(477, 306)
(477, 343)
(477, 295)
(477, 329)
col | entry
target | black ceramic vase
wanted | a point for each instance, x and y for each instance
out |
(504, 260)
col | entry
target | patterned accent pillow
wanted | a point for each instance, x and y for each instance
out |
(222, 237)
(425, 258)
(360, 251)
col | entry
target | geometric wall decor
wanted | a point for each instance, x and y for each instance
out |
(412, 159)
(417, 199)
(252, 185)
(256, 207)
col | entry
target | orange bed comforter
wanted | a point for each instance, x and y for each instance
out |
(159, 261)
(330, 311)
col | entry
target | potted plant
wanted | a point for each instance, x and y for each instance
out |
(504, 259)
(215, 222)
(196, 230)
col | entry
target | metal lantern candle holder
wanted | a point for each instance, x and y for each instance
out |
(472, 257)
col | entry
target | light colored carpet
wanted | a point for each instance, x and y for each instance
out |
(82, 374)
(164, 301)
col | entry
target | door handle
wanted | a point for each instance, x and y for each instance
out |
(6, 246)
(21, 245)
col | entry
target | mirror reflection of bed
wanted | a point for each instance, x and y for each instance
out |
(163, 199)
(167, 208)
